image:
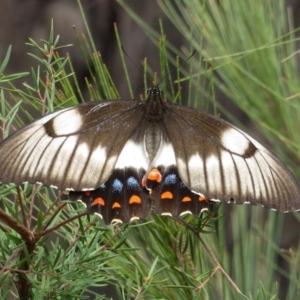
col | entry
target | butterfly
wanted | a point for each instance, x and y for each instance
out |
(120, 156)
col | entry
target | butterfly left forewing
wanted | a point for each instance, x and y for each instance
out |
(75, 148)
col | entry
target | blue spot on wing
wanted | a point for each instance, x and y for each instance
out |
(170, 179)
(133, 184)
(117, 186)
(182, 185)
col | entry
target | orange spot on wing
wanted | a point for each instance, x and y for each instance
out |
(87, 193)
(154, 175)
(99, 201)
(186, 199)
(202, 198)
(166, 195)
(116, 205)
(135, 199)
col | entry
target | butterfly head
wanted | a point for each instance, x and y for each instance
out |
(154, 91)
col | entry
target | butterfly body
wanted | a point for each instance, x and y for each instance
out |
(119, 156)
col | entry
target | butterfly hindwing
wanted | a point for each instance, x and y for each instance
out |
(171, 196)
(122, 198)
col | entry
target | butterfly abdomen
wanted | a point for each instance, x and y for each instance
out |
(152, 140)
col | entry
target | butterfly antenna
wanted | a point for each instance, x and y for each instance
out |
(175, 68)
(138, 66)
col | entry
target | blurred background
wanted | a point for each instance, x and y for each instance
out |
(20, 20)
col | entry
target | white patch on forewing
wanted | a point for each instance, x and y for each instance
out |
(165, 156)
(83, 150)
(227, 162)
(48, 117)
(214, 179)
(61, 154)
(181, 165)
(67, 123)
(26, 159)
(196, 169)
(132, 155)
(229, 173)
(96, 161)
(196, 176)
(196, 162)
(77, 164)
(89, 168)
(235, 141)
(250, 173)
(50, 158)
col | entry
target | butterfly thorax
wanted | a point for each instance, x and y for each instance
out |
(154, 113)
(154, 102)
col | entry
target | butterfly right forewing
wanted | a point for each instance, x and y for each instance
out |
(216, 159)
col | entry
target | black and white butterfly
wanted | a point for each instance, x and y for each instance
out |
(118, 156)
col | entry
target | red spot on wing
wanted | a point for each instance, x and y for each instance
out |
(87, 193)
(154, 175)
